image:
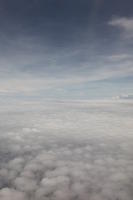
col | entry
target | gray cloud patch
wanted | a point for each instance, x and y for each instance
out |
(67, 151)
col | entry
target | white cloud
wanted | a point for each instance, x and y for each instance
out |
(124, 23)
(34, 73)
(88, 157)
(8, 194)
(25, 184)
(118, 57)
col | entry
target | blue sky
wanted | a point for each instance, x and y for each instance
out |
(66, 49)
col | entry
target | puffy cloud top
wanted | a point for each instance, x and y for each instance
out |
(67, 151)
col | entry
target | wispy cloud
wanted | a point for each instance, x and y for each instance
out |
(124, 97)
(32, 68)
(125, 24)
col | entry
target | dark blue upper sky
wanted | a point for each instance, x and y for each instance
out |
(66, 48)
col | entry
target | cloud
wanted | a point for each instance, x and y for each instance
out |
(113, 66)
(124, 97)
(69, 150)
(125, 24)
(119, 57)
(8, 194)
(30, 68)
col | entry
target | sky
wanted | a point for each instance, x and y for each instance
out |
(66, 99)
(66, 49)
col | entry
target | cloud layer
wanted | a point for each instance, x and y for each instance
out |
(67, 151)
